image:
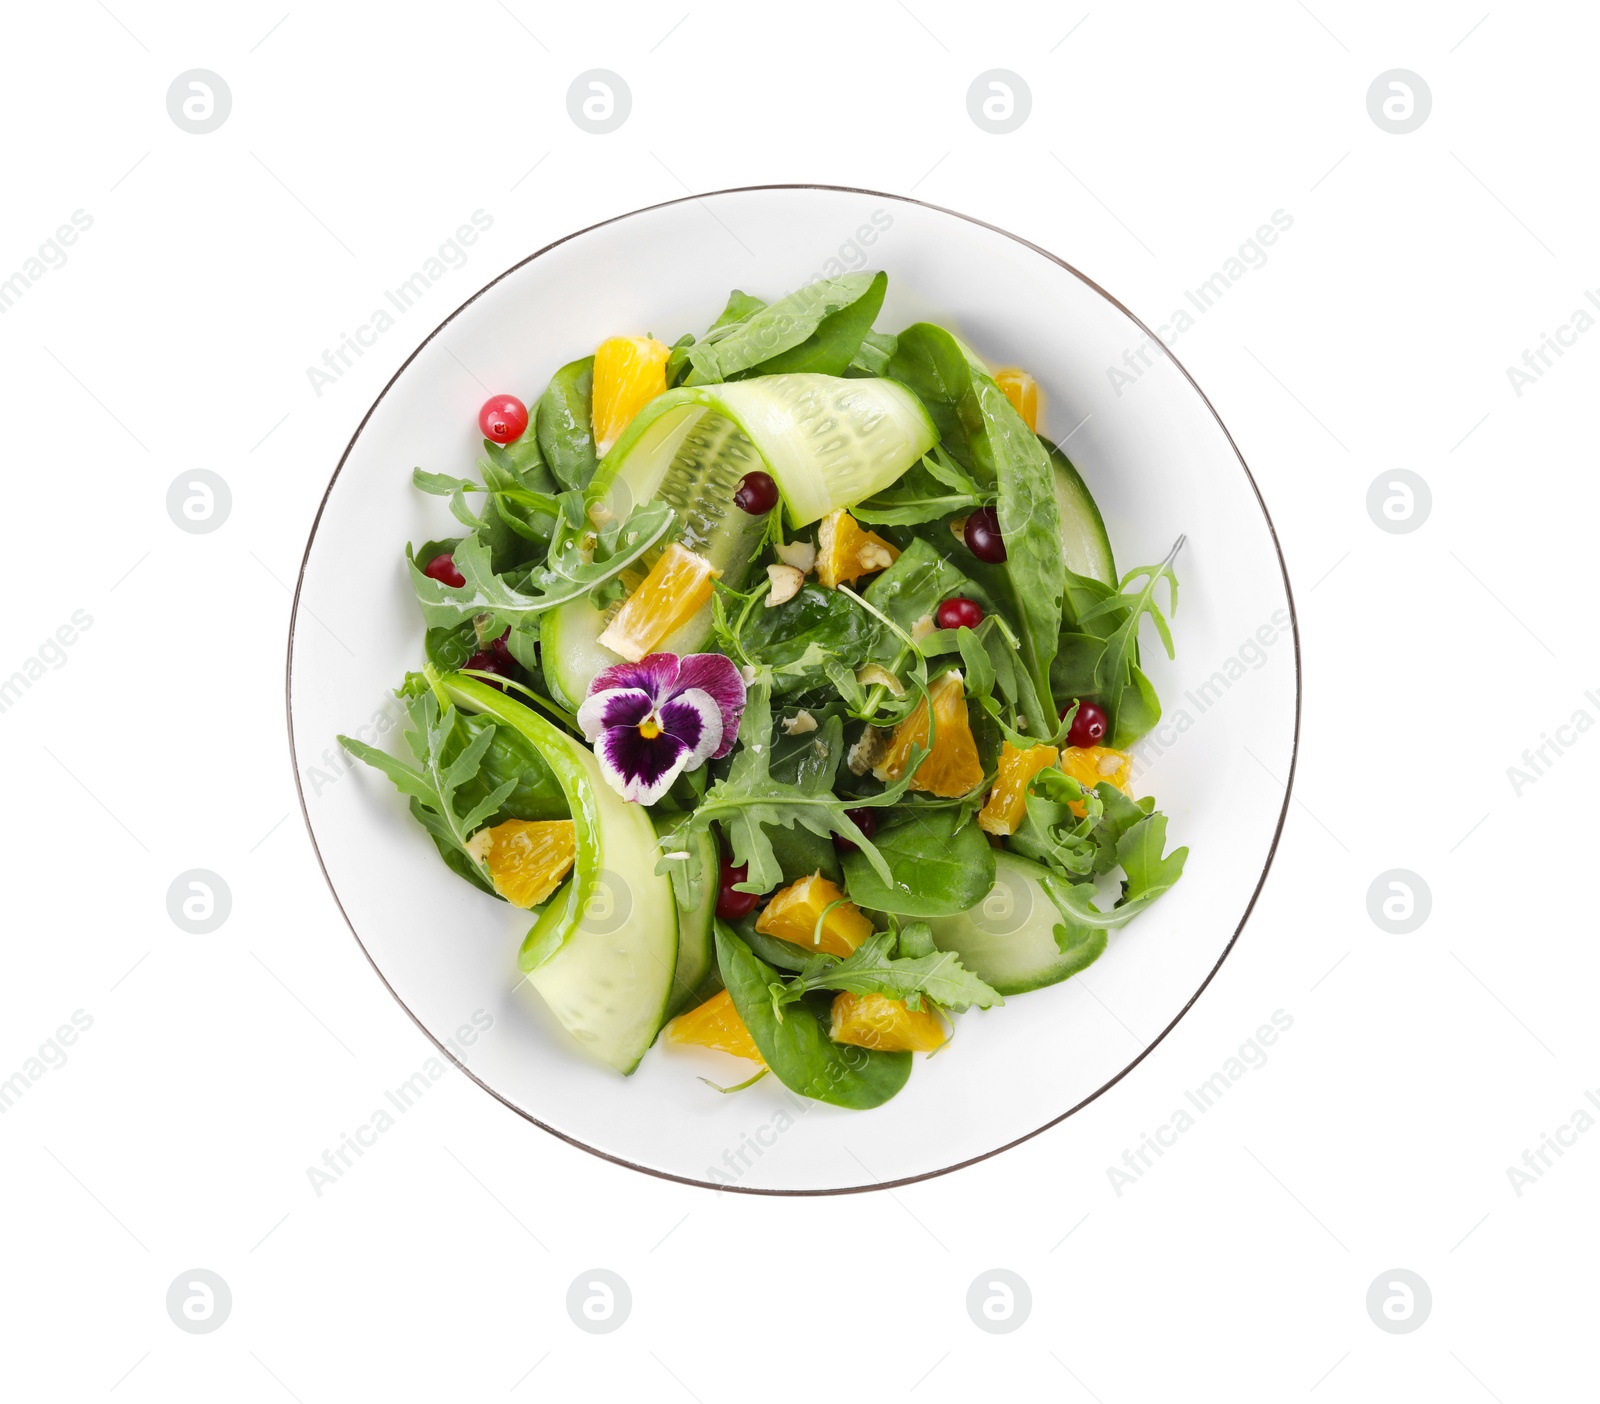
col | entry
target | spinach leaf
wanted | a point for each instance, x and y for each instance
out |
(434, 787)
(939, 861)
(913, 587)
(877, 349)
(836, 342)
(980, 426)
(798, 1049)
(820, 323)
(535, 792)
(782, 636)
(564, 424)
(873, 969)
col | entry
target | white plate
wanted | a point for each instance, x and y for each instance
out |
(1159, 462)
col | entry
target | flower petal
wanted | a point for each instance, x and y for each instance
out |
(719, 679)
(615, 706)
(640, 768)
(696, 720)
(656, 674)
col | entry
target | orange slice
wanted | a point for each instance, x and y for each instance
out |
(1023, 392)
(792, 916)
(845, 553)
(527, 859)
(952, 768)
(678, 584)
(1089, 765)
(1008, 800)
(715, 1024)
(876, 1021)
(629, 372)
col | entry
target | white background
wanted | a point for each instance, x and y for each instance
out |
(218, 1068)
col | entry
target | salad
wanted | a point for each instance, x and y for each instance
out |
(785, 677)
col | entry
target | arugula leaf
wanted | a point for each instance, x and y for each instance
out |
(818, 328)
(564, 425)
(934, 488)
(872, 969)
(750, 797)
(444, 770)
(570, 574)
(940, 863)
(1147, 876)
(798, 1048)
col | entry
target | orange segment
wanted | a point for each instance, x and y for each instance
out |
(1089, 765)
(845, 553)
(792, 916)
(527, 859)
(715, 1024)
(678, 584)
(629, 372)
(1023, 392)
(876, 1021)
(1008, 800)
(953, 767)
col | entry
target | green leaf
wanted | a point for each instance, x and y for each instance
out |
(1148, 876)
(564, 424)
(872, 969)
(796, 637)
(797, 1048)
(750, 798)
(940, 863)
(816, 328)
(571, 573)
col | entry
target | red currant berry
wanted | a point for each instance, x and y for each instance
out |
(732, 905)
(958, 613)
(983, 537)
(443, 569)
(756, 493)
(1089, 727)
(503, 418)
(864, 819)
(500, 649)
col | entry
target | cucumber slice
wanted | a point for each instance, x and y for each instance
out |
(1008, 939)
(827, 441)
(694, 979)
(1083, 532)
(614, 924)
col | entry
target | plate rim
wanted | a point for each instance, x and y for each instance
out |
(1272, 848)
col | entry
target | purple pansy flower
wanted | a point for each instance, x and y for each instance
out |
(652, 720)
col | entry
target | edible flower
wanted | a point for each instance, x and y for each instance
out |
(653, 720)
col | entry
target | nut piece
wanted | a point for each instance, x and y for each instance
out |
(786, 582)
(478, 845)
(870, 748)
(802, 555)
(799, 724)
(873, 557)
(922, 628)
